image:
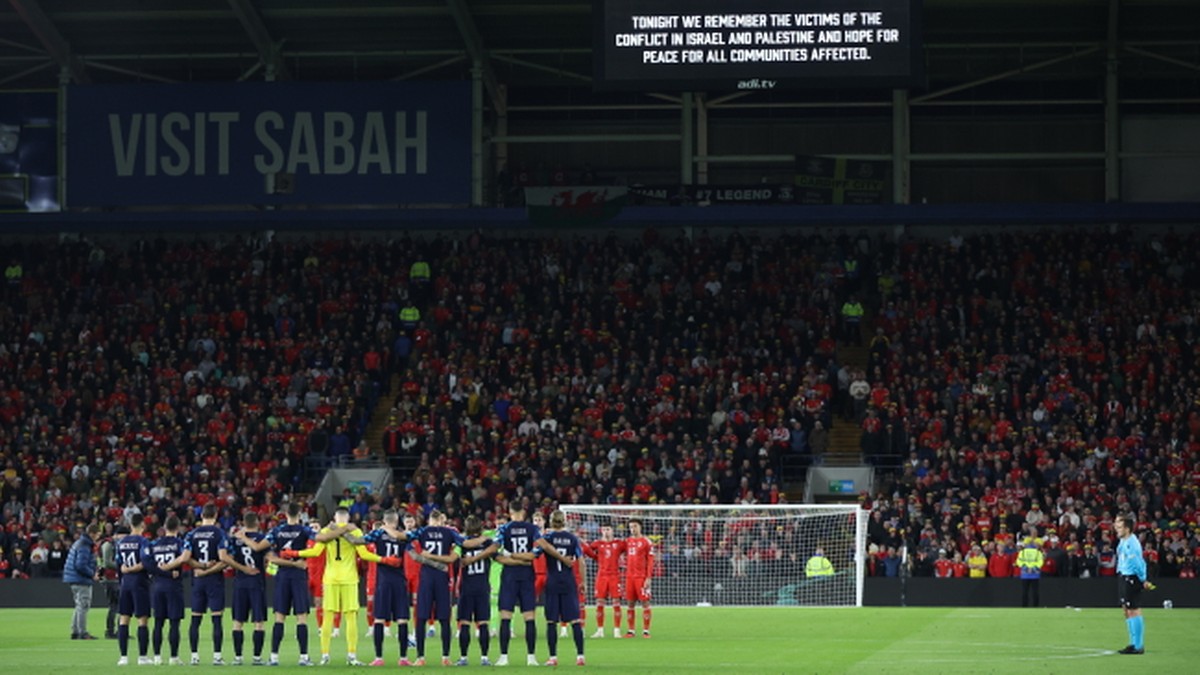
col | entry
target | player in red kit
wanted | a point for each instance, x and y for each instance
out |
(607, 552)
(539, 563)
(639, 563)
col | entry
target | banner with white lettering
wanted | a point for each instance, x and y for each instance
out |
(723, 45)
(756, 194)
(269, 143)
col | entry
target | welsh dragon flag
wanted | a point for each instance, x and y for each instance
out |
(573, 206)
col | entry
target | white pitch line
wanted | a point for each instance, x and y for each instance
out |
(1083, 652)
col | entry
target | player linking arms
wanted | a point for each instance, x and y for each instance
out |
(201, 550)
(1131, 575)
(341, 579)
(474, 594)
(245, 552)
(291, 581)
(134, 601)
(439, 548)
(521, 542)
(166, 589)
(391, 598)
(562, 587)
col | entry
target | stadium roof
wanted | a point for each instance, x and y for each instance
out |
(541, 49)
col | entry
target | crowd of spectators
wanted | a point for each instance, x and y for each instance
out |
(161, 376)
(1004, 370)
(1035, 386)
(642, 369)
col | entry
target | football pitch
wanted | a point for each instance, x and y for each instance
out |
(728, 640)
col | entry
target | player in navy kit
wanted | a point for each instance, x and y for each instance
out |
(202, 550)
(392, 601)
(474, 590)
(291, 580)
(516, 540)
(166, 588)
(249, 585)
(516, 579)
(562, 589)
(134, 598)
(438, 550)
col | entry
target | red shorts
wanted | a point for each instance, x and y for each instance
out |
(413, 581)
(608, 586)
(315, 588)
(635, 589)
(539, 584)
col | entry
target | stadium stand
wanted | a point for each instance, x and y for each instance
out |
(159, 377)
(1003, 370)
(1037, 385)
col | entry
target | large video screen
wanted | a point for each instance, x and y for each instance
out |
(729, 45)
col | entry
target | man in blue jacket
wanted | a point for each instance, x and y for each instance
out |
(80, 573)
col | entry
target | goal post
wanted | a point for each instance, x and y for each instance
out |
(744, 554)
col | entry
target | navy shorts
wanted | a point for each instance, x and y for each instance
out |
(514, 591)
(475, 607)
(562, 604)
(208, 594)
(166, 600)
(249, 602)
(291, 593)
(391, 599)
(134, 601)
(433, 598)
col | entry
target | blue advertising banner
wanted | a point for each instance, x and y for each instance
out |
(29, 151)
(269, 143)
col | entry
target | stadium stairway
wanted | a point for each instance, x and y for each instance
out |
(379, 418)
(845, 447)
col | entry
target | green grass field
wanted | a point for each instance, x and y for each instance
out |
(739, 640)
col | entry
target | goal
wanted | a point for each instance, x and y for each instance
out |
(739, 554)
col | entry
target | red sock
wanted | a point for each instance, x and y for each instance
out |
(629, 615)
(370, 613)
(599, 616)
(337, 620)
(582, 612)
(645, 618)
(320, 617)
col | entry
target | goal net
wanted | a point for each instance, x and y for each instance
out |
(739, 554)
